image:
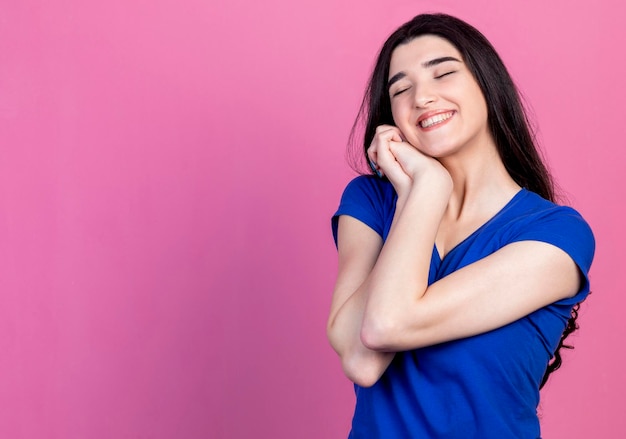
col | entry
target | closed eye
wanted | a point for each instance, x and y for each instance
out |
(445, 74)
(399, 92)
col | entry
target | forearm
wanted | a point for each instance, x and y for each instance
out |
(400, 276)
(367, 268)
(361, 365)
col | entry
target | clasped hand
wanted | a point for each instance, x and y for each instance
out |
(401, 162)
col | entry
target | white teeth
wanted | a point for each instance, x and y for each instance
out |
(438, 118)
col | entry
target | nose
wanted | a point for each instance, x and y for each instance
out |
(424, 96)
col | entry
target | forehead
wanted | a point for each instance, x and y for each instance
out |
(419, 50)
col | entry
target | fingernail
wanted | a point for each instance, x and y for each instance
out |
(375, 168)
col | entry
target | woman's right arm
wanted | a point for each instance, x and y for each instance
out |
(358, 248)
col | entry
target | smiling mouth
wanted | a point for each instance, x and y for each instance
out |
(435, 120)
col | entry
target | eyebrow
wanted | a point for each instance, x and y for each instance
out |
(426, 64)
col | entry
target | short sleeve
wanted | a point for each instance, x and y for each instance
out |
(369, 200)
(564, 228)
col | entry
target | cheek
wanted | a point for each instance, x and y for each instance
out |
(399, 113)
(481, 110)
(480, 105)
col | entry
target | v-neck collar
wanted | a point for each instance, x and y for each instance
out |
(512, 201)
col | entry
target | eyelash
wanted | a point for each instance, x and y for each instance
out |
(399, 92)
(445, 74)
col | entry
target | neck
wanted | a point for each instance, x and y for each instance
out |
(481, 183)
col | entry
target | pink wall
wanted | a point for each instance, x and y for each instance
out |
(167, 173)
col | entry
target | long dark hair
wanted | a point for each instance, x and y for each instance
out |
(507, 119)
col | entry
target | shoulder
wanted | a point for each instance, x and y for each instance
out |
(370, 200)
(368, 186)
(542, 220)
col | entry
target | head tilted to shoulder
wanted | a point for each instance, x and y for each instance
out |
(507, 119)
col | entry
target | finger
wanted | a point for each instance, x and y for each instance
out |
(379, 151)
(383, 128)
(375, 168)
(390, 132)
(372, 154)
(381, 155)
(400, 149)
(372, 158)
(398, 137)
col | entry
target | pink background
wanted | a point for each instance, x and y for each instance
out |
(168, 170)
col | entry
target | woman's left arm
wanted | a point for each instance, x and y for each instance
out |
(507, 285)
(402, 312)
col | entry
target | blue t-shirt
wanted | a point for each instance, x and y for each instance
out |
(484, 386)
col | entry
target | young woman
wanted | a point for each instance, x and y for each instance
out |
(458, 274)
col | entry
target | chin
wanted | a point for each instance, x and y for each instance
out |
(439, 152)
